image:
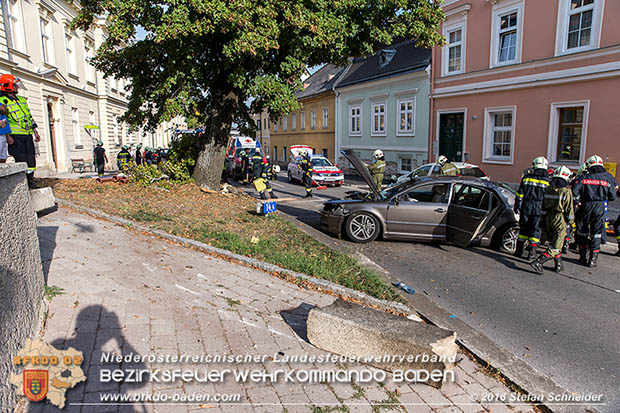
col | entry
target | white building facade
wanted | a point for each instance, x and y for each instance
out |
(72, 103)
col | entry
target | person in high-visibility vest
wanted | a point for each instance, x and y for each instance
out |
(23, 126)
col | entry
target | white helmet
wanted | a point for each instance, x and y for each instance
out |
(540, 162)
(562, 172)
(582, 169)
(303, 152)
(594, 160)
(377, 154)
(442, 160)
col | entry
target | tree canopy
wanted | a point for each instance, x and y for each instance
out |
(206, 58)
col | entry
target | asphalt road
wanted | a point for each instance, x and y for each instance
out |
(566, 325)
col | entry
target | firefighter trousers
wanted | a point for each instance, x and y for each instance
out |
(529, 229)
(590, 218)
(555, 225)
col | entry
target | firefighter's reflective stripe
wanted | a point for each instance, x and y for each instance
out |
(536, 182)
(524, 237)
(519, 195)
(532, 239)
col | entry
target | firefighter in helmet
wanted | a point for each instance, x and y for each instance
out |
(377, 168)
(261, 180)
(528, 204)
(447, 168)
(559, 216)
(123, 158)
(591, 190)
(305, 163)
(20, 142)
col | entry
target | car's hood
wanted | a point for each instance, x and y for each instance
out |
(343, 201)
(361, 169)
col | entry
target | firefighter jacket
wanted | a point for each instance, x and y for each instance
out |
(596, 186)
(558, 200)
(123, 158)
(306, 165)
(449, 169)
(257, 165)
(529, 197)
(20, 119)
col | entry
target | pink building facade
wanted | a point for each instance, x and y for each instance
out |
(523, 78)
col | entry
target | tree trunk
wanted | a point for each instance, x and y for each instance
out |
(210, 162)
(209, 165)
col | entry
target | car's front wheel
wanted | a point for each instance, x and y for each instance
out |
(362, 227)
(507, 239)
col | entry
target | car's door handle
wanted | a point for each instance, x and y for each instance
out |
(440, 210)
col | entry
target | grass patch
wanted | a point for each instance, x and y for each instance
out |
(52, 291)
(146, 216)
(226, 222)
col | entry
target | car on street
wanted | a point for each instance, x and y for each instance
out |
(433, 169)
(324, 172)
(457, 209)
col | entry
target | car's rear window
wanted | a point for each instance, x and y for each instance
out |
(473, 172)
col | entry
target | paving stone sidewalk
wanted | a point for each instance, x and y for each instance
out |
(127, 292)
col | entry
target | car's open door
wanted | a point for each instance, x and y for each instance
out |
(468, 213)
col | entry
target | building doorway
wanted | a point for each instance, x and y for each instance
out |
(451, 126)
(52, 137)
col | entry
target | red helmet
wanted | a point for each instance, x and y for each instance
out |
(7, 82)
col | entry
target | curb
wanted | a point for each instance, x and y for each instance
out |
(265, 266)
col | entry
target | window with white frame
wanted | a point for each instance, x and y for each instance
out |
(313, 120)
(506, 31)
(378, 119)
(405, 164)
(355, 120)
(275, 153)
(16, 26)
(89, 51)
(499, 135)
(507, 37)
(579, 25)
(284, 123)
(46, 41)
(70, 54)
(275, 126)
(293, 121)
(453, 54)
(406, 108)
(91, 118)
(302, 120)
(568, 125)
(325, 118)
(75, 123)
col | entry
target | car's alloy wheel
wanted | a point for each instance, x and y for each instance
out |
(508, 240)
(362, 227)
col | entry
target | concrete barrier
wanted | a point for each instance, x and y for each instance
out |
(384, 340)
(21, 275)
(42, 199)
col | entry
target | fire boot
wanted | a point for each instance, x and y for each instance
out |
(583, 256)
(537, 264)
(593, 258)
(531, 251)
(308, 195)
(263, 196)
(519, 250)
(558, 263)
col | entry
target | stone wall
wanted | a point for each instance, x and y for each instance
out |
(21, 275)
